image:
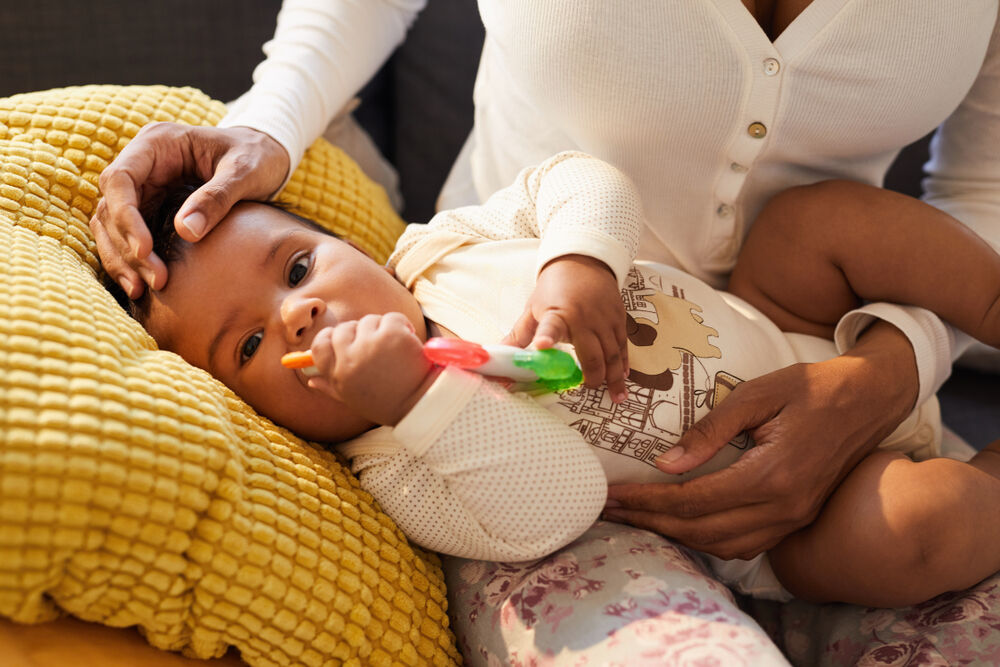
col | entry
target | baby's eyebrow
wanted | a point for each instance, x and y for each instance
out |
(276, 246)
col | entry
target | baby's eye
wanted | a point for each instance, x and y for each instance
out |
(298, 271)
(249, 347)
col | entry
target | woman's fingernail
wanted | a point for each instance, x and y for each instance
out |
(133, 244)
(126, 285)
(195, 222)
(619, 397)
(670, 455)
(148, 276)
(611, 504)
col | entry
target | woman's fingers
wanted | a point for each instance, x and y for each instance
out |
(743, 410)
(123, 240)
(238, 172)
(714, 534)
(116, 264)
(235, 163)
(738, 511)
(687, 500)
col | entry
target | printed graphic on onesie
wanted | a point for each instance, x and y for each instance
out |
(676, 376)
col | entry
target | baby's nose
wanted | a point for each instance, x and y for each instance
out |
(298, 316)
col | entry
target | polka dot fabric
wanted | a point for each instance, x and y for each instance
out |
(502, 478)
(136, 489)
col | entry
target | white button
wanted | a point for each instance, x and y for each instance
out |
(724, 210)
(739, 168)
(771, 67)
(925, 434)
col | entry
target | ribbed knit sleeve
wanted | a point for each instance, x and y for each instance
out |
(964, 169)
(933, 341)
(574, 203)
(477, 472)
(322, 53)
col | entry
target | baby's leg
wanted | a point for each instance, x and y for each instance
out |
(896, 533)
(816, 250)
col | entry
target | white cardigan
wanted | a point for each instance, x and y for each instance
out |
(694, 103)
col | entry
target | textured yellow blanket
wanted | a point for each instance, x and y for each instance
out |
(136, 489)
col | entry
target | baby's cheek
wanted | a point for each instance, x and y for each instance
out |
(271, 396)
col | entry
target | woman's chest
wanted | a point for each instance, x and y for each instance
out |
(872, 73)
(773, 16)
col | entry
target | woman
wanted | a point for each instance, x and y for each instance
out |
(711, 107)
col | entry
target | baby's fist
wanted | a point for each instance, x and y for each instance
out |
(374, 365)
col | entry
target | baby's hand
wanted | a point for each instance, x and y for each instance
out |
(576, 299)
(374, 365)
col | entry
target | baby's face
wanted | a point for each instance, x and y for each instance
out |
(261, 285)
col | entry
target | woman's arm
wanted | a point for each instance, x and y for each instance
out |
(477, 472)
(322, 53)
(963, 174)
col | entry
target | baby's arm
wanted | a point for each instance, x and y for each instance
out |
(588, 217)
(477, 472)
(816, 251)
(574, 203)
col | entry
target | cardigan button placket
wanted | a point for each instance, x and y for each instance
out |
(759, 111)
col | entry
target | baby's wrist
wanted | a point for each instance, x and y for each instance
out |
(577, 261)
(404, 407)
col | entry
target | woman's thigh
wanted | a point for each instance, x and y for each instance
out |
(617, 595)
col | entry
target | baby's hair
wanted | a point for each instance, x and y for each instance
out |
(169, 246)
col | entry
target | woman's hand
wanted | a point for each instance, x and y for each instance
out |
(811, 423)
(576, 299)
(235, 163)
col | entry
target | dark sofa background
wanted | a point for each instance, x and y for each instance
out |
(418, 109)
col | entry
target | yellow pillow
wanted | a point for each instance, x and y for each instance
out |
(136, 489)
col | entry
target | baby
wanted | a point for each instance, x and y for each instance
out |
(469, 469)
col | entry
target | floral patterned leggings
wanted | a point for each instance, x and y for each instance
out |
(623, 596)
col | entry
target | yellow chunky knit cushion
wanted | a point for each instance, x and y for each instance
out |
(136, 489)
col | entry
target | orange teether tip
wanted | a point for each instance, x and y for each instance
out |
(297, 359)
